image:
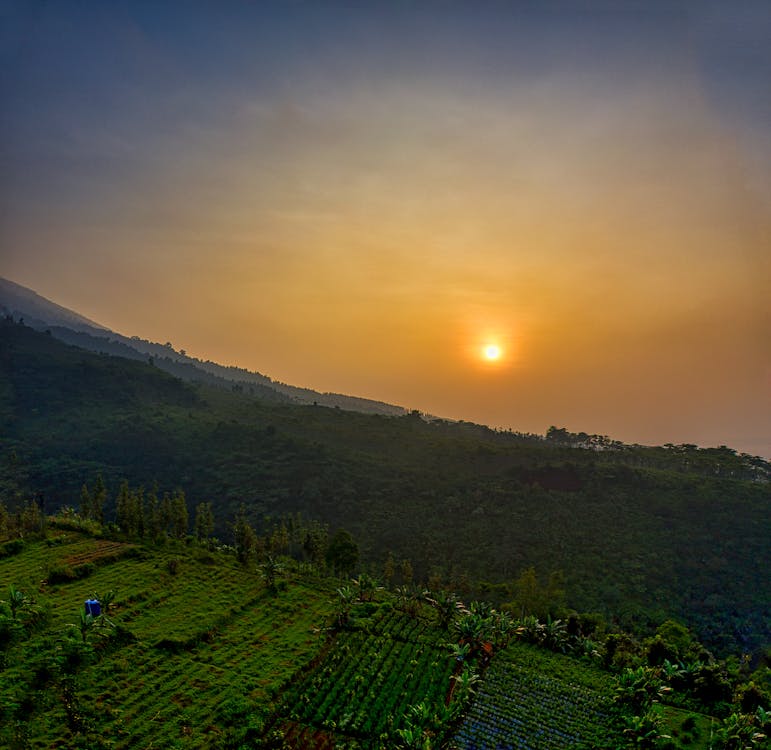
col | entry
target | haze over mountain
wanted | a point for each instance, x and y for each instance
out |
(38, 312)
(514, 213)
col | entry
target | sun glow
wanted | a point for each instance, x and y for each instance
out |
(492, 352)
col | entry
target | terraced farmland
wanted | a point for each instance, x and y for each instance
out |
(201, 654)
(535, 700)
(204, 649)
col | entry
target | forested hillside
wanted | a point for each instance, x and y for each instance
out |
(563, 521)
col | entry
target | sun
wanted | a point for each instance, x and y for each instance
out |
(492, 352)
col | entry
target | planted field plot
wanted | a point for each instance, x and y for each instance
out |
(534, 700)
(33, 563)
(199, 651)
(368, 680)
(218, 691)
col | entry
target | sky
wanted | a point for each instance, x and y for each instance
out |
(363, 197)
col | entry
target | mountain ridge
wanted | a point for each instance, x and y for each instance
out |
(69, 326)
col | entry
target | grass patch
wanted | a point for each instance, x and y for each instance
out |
(688, 730)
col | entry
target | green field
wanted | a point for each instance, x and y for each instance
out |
(202, 650)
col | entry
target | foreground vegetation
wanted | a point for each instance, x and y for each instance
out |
(194, 648)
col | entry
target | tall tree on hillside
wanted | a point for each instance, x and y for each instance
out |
(4, 520)
(179, 518)
(98, 499)
(528, 592)
(204, 521)
(137, 512)
(165, 513)
(85, 501)
(389, 567)
(244, 537)
(123, 507)
(343, 553)
(279, 540)
(315, 542)
(406, 572)
(31, 519)
(153, 526)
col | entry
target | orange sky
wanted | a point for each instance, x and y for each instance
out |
(366, 223)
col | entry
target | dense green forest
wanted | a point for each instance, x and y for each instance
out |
(548, 524)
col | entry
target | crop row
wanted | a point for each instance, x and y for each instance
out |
(395, 624)
(148, 697)
(519, 707)
(100, 548)
(137, 695)
(367, 682)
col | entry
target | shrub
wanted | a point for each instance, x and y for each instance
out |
(11, 548)
(61, 574)
(65, 573)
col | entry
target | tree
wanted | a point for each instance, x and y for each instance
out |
(4, 520)
(316, 542)
(204, 521)
(446, 606)
(129, 511)
(405, 568)
(389, 567)
(153, 521)
(279, 539)
(31, 519)
(98, 500)
(122, 510)
(271, 569)
(244, 538)
(165, 513)
(179, 515)
(527, 592)
(85, 501)
(342, 553)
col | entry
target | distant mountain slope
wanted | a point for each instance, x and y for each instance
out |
(640, 534)
(66, 325)
(20, 302)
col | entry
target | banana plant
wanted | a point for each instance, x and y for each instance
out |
(643, 731)
(271, 569)
(17, 601)
(346, 596)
